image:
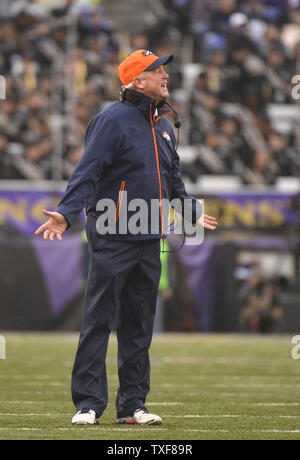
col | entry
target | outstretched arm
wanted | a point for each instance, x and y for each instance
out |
(54, 226)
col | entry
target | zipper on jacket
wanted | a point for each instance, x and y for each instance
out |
(158, 168)
(121, 192)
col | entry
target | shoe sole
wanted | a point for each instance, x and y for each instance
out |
(132, 422)
(85, 423)
(152, 422)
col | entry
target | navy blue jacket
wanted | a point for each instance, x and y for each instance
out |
(126, 149)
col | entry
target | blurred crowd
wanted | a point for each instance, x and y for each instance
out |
(258, 299)
(61, 65)
(250, 50)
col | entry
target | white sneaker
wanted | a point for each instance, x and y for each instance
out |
(141, 417)
(85, 417)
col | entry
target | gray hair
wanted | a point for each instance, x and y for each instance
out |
(131, 85)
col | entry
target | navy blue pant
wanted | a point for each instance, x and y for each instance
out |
(123, 279)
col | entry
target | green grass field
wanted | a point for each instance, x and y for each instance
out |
(203, 386)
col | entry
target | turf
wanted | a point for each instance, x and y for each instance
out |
(203, 386)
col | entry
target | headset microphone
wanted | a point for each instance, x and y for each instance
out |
(177, 123)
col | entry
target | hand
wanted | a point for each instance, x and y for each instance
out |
(208, 222)
(55, 226)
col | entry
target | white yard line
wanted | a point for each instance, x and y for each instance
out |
(230, 416)
(276, 431)
(166, 416)
(34, 415)
(21, 429)
(205, 416)
(274, 404)
(231, 395)
(134, 428)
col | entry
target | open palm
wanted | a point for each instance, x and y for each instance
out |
(208, 222)
(54, 226)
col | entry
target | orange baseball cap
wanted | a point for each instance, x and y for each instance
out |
(138, 62)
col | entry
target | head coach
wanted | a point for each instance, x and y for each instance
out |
(130, 146)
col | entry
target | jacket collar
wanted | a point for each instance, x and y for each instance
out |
(142, 103)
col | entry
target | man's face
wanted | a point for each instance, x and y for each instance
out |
(154, 84)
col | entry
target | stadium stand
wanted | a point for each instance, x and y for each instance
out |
(62, 60)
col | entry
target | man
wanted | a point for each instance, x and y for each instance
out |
(126, 150)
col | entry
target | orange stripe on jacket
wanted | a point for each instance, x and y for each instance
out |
(158, 168)
(120, 200)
